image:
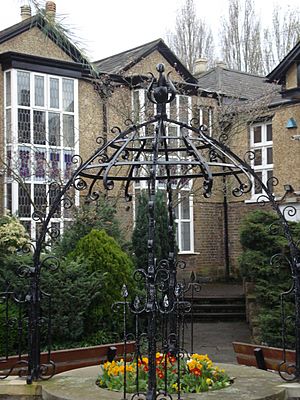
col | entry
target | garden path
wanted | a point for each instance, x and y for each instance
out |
(215, 338)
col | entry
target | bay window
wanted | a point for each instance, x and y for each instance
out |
(41, 125)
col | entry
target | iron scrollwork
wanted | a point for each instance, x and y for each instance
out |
(131, 156)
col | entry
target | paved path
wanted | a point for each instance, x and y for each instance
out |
(215, 339)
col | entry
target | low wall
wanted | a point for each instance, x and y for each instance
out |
(69, 359)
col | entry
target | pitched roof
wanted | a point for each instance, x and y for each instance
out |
(122, 62)
(232, 83)
(279, 72)
(57, 37)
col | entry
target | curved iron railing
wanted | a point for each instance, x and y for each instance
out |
(152, 155)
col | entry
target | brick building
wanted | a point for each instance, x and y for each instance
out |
(54, 106)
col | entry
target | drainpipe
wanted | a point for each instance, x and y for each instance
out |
(226, 241)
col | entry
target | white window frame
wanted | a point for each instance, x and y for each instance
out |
(143, 184)
(264, 168)
(15, 145)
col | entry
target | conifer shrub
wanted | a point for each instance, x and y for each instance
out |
(272, 275)
(140, 233)
(103, 255)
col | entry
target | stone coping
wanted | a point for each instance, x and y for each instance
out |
(250, 384)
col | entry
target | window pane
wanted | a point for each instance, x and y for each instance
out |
(8, 204)
(54, 165)
(185, 208)
(269, 182)
(8, 89)
(257, 185)
(269, 133)
(68, 165)
(136, 106)
(258, 157)
(8, 162)
(257, 134)
(68, 130)
(173, 110)
(24, 162)
(205, 116)
(149, 108)
(55, 232)
(54, 129)
(40, 164)
(54, 93)
(184, 109)
(269, 155)
(27, 226)
(53, 193)
(68, 94)
(23, 88)
(23, 125)
(185, 236)
(39, 127)
(8, 125)
(24, 204)
(40, 197)
(173, 133)
(39, 91)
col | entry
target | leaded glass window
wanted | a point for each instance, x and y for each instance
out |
(41, 145)
(54, 93)
(8, 125)
(39, 127)
(9, 197)
(68, 130)
(24, 204)
(40, 197)
(40, 164)
(68, 165)
(8, 89)
(54, 128)
(39, 86)
(23, 88)
(24, 162)
(54, 172)
(23, 125)
(68, 95)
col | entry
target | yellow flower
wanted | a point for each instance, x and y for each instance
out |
(208, 381)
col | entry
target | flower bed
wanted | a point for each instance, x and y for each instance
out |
(197, 374)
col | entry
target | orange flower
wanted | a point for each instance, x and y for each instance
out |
(197, 372)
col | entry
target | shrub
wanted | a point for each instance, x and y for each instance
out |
(140, 233)
(271, 279)
(97, 215)
(13, 235)
(103, 255)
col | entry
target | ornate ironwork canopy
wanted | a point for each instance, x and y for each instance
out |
(148, 148)
(147, 151)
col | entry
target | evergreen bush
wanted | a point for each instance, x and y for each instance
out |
(103, 255)
(140, 233)
(272, 276)
(100, 214)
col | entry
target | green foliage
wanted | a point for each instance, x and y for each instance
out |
(140, 233)
(13, 235)
(272, 275)
(73, 288)
(104, 256)
(97, 215)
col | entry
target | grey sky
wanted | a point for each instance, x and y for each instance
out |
(107, 27)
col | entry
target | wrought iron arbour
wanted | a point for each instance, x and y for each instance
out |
(147, 152)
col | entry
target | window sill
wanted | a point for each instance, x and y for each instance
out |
(188, 253)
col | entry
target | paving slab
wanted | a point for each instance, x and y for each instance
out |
(215, 339)
(249, 384)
